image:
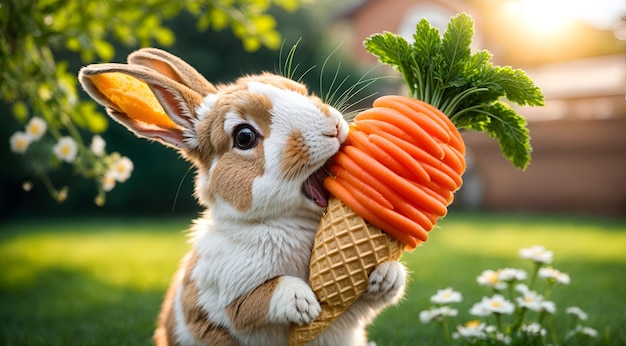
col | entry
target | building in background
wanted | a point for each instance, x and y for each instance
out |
(578, 138)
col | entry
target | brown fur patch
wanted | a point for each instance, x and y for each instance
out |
(249, 312)
(296, 154)
(233, 176)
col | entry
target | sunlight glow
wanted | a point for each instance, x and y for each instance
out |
(551, 16)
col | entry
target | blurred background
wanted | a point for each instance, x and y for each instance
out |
(574, 50)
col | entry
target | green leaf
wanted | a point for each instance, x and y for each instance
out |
(518, 87)
(455, 49)
(512, 134)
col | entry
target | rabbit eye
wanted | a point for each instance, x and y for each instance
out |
(245, 137)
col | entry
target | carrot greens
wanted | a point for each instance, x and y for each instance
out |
(466, 86)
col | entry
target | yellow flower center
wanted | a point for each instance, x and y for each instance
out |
(65, 150)
(495, 304)
(472, 324)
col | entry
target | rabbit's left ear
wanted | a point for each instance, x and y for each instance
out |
(147, 102)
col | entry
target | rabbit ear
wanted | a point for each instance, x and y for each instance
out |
(172, 67)
(176, 126)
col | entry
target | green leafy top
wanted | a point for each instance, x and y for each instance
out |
(466, 87)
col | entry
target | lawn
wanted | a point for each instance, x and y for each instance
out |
(100, 282)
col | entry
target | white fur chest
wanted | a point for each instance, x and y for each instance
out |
(235, 259)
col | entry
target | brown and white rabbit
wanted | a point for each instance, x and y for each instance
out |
(259, 146)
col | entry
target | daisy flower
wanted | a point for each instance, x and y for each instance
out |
(437, 314)
(533, 329)
(491, 278)
(97, 145)
(108, 181)
(537, 254)
(530, 300)
(36, 128)
(554, 275)
(19, 142)
(511, 275)
(66, 149)
(445, 296)
(122, 169)
(496, 304)
(472, 329)
(578, 312)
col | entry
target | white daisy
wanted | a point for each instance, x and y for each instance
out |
(122, 169)
(36, 128)
(19, 142)
(537, 254)
(445, 296)
(97, 145)
(578, 312)
(66, 149)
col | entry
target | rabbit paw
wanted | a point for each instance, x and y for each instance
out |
(294, 301)
(386, 282)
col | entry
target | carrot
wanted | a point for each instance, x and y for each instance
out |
(400, 155)
(361, 140)
(372, 126)
(456, 140)
(433, 125)
(398, 119)
(419, 155)
(395, 182)
(409, 209)
(344, 161)
(348, 198)
(347, 179)
(453, 158)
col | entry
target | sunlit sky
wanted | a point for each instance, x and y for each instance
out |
(552, 14)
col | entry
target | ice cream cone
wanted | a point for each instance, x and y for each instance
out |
(345, 252)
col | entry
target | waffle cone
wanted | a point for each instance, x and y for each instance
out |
(346, 250)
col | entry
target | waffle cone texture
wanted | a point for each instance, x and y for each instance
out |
(346, 250)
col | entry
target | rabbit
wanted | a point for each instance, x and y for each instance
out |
(259, 147)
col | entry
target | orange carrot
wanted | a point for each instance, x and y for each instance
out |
(453, 158)
(400, 155)
(371, 126)
(409, 209)
(347, 179)
(344, 161)
(420, 156)
(431, 124)
(398, 119)
(456, 137)
(361, 140)
(348, 198)
(396, 182)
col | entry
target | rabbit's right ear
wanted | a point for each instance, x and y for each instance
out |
(165, 110)
(173, 67)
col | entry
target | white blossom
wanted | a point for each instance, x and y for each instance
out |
(97, 145)
(578, 312)
(122, 169)
(491, 278)
(548, 306)
(36, 128)
(534, 329)
(437, 314)
(66, 149)
(511, 274)
(108, 181)
(589, 332)
(530, 300)
(472, 329)
(537, 254)
(447, 295)
(19, 142)
(554, 275)
(496, 304)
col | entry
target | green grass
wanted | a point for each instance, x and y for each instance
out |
(101, 282)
